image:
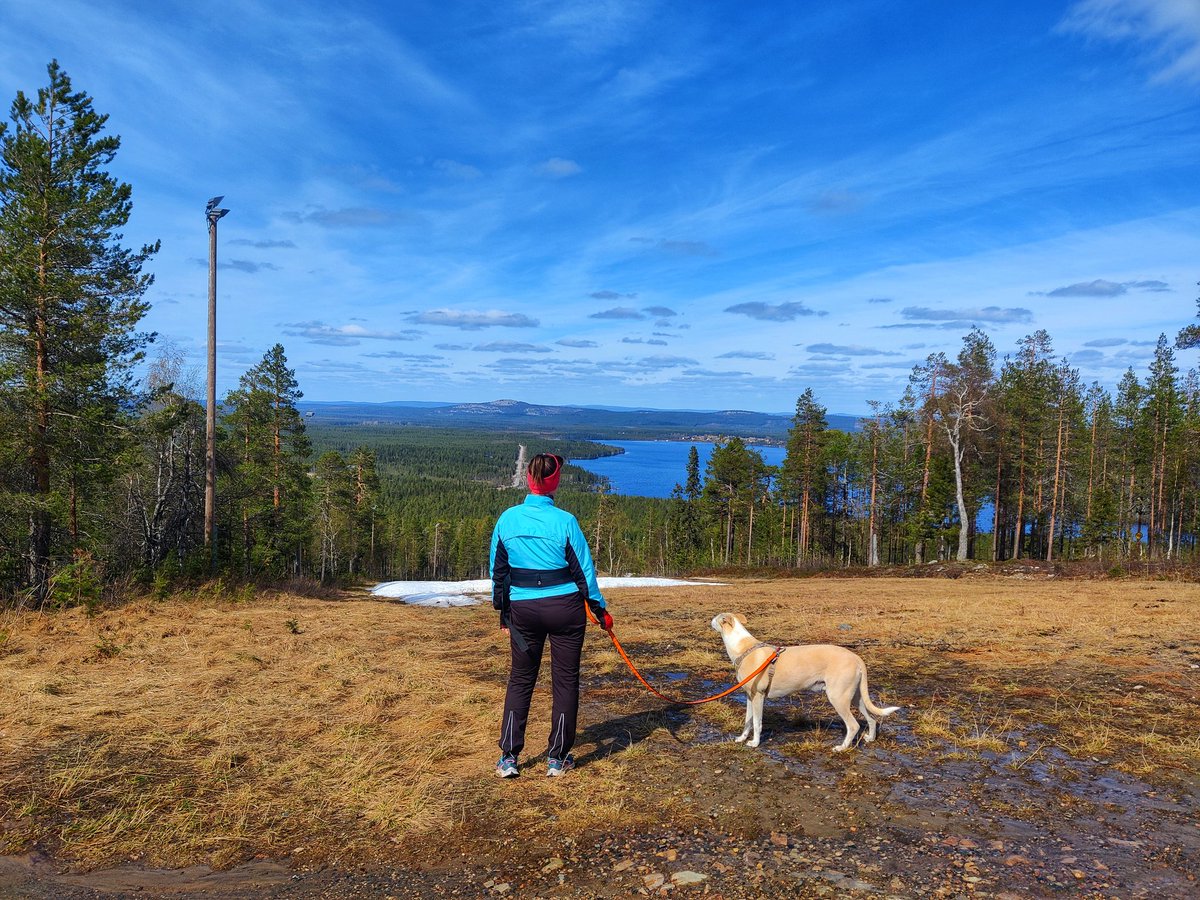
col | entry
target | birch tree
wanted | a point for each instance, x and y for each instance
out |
(962, 415)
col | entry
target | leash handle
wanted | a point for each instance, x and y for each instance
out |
(657, 693)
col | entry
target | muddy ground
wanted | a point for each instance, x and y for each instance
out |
(1022, 814)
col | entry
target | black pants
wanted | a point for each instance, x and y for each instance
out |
(563, 620)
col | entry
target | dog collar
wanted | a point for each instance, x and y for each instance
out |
(737, 662)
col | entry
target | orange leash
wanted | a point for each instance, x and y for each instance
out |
(657, 693)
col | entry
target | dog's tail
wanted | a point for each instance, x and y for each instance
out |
(865, 697)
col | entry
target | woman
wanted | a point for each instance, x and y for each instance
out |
(542, 575)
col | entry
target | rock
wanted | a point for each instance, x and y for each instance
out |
(623, 865)
(687, 877)
(654, 880)
(778, 839)
(552, 866)
(1017, 860)
(502, 888)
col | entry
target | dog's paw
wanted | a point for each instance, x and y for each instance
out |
(868, 738)
(751, 743)
(740, 738)
(840, 748)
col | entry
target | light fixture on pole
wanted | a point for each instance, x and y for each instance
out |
(212, 213)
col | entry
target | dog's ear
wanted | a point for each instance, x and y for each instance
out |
(727, 620)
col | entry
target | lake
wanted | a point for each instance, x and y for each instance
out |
(653, 468)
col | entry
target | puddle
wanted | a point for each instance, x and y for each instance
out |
(241, 880)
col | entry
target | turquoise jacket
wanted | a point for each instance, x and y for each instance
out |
(537, 536)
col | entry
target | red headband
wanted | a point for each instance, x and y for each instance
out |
(549, 484)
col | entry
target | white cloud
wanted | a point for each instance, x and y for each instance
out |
(976, 314)
(1169, 30)
(349, 217)
(1102, 288)
(618, 312)
(845, 350)
(747, 354)
(664, 362)
(469, 320)
(345, 335)
(768, 312)
(510, 347)
(461, 171)
(555, 167)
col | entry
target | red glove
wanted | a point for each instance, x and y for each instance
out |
(605, 620)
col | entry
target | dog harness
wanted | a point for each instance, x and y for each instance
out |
(771, 668)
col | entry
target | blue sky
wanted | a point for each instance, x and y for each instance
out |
(686, 205)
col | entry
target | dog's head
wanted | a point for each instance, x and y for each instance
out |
(723, 623)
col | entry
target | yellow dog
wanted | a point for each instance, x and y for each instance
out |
(841, 673)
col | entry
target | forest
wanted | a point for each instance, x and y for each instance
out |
(981, 459)
(103, 443)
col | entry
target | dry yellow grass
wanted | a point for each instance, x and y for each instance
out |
(200, 730)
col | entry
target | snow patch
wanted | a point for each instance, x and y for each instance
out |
(444, 594)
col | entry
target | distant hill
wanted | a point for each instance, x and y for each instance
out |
(573, 421)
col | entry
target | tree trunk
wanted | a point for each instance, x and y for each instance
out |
(872, 536)
(802, 547)
(1058, 447)
(1162, 479)
(996, 548)
(750, 532)
(959, 451)
(1019, 535)
(1087, 516)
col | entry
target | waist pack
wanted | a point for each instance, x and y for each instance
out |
(537, 578)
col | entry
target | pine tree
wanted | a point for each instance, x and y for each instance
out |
(803, 477)
(1127, 412)
(733, 482)
(1025, 389)
(1067, 404)
(366, 503)
(692, 486)
(333, 503)
(70, 301)
(1101, 507)
(684, 529)
(269, 449)
(1189, 335)
(1163, 411)
(924, 383)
